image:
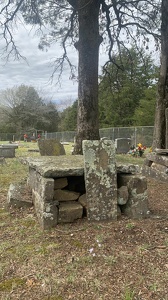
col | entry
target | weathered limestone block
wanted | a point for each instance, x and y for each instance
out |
(46, 212)
(18, 196)
(49, 218)
(65, 195)
(32, 178)
(155, 172)
(159, 159)
(60, 183)
(100, 179)
(128, 169)
(83, 201)
(161, 151)
(53, 167)
(122, 195)
(70, 211)
(42, 186)
(160, 168)
(43, 199)
(50, 147)
(137, 204)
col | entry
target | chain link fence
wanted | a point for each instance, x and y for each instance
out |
(139, 134)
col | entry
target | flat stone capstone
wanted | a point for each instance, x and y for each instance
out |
(56, 166)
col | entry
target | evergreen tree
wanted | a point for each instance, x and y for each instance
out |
(25, 109)
(69, 118)
(145, 113)
(121, 89)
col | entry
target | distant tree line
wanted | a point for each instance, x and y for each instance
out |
(22, 110)
(127, 97)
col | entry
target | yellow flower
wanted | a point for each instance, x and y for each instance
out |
(139, 145)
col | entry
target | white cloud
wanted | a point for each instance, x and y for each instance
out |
(38, 69)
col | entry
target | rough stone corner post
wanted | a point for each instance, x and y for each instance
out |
(100, 179)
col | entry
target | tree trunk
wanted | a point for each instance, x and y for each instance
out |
(88, 47)
(159, 139)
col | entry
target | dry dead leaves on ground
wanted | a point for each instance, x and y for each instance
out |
(126, 259)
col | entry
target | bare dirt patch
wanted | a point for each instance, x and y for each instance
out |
(126, 259)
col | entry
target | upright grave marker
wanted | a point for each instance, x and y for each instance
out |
(100, 179)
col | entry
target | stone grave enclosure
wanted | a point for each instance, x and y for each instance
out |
(66, 188)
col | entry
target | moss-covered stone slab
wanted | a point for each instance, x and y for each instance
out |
(50, 147)
(54, 167)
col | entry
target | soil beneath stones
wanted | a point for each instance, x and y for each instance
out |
(126, 259)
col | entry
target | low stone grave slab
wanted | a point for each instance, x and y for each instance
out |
(7, 151)
(33, 150)
(15, 146)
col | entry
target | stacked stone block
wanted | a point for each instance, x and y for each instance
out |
(156, 165)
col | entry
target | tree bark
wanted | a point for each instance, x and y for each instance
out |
(88, 47)
(159, 138)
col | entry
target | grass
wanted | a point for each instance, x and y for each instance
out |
(129, 295)
(60, 265)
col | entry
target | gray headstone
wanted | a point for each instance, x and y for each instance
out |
(122, 145)
(100, 179)
(50, 147)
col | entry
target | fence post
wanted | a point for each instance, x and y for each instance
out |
(135, 136)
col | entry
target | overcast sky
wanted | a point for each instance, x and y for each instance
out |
(38, 69)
